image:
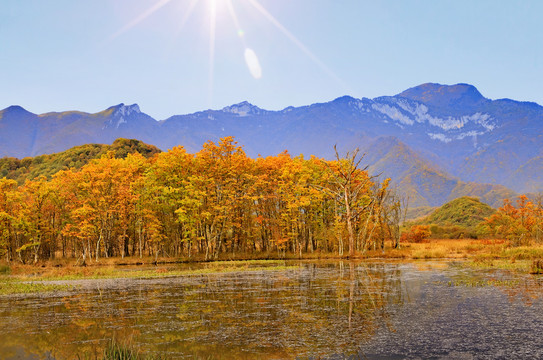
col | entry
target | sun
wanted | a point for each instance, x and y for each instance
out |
(219, 8)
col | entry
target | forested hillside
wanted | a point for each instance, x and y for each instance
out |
(464, 211)
(422, 180)
(75, 158)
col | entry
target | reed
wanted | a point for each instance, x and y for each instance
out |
(116, 350)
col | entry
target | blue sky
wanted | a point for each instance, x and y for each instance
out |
(88, 55)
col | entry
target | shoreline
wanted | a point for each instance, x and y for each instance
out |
(45, 276)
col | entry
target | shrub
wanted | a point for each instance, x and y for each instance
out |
(417, 234)
(537, 267)
(5, 269)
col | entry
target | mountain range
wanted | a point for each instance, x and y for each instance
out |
(437, 142)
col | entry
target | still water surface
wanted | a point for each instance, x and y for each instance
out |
(326, 310)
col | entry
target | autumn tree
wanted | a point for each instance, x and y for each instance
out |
(348, 185)
(37, 221)
(417, 233)
(519, 224)
(212, 203)
(394, 213)
(8, 217)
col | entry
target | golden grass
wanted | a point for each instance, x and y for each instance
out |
(30, 279)
(12, 286)
(107, 271)
(505, 264)
(445, 249)
(476, 253)
(480, 254)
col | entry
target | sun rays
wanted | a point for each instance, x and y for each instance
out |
(212, 28)
(295, 40)
(140, 18)
(248, 55)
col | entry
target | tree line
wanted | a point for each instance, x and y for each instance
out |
(520, 222)
(212, 203)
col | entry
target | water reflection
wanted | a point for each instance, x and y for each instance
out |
(316, 309)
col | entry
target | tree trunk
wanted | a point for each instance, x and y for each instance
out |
(349, 223)
(98, 246)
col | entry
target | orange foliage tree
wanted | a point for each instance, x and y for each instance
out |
(417, 233)
(519, 224)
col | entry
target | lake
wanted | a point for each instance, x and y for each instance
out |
(311, 310)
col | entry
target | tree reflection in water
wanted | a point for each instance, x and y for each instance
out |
(317, 309)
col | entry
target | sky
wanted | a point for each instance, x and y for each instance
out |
(182, 56)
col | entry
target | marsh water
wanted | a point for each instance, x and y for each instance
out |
(310, 310)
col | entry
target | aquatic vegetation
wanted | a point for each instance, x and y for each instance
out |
(119, 351)
(18, 287)
(522, 266)
(482, 282)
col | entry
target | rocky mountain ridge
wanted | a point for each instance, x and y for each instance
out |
(453, 130)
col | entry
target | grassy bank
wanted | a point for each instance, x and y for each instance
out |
(19, 278)
(28, 278)
(14, 286)
(484, 254)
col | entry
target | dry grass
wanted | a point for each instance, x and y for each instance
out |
(477, 253)
(445, 248)
(29, 273)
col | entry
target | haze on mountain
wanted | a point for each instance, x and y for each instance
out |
(437, 142)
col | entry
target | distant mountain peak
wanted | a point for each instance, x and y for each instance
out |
(347, 102)
(15, 110)
(344, 99)
(120, 113)
(243, 108)
(438, 95)
(389, 141)
(125, 110)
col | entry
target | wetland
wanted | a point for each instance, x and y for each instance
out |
(295, 309)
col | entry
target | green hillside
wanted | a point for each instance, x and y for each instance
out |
(465, 211)
(76, 157)
(457, 218)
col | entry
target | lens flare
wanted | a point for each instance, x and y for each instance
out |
(250, 56)
(251, 59)
(232, 12)
(252, 63)
(140, 18)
